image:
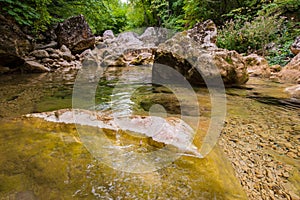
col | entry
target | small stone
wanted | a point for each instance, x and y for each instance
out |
(65, 49)
(54, 56)
(47, 60)
(32, 66)
(50, 50)
(4, 70)
(68, 56)
(285, 174)
(291, 154)
(108, 34)
(64, 64)
(40, 54)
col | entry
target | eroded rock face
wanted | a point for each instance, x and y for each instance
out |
(291, 72)
(186, 56)
(295, 48)
(204, 33)
(76, 34)
(257, 66)
(14, 44)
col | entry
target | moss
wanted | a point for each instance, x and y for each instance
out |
(229, 60)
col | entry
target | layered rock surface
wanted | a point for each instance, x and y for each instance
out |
(14, 44)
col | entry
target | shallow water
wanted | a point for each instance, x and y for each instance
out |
(45, 160)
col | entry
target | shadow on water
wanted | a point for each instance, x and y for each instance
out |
(280, 102)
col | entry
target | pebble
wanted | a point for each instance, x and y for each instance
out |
(261, 175)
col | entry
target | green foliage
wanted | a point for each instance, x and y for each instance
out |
(196, 10)
(280, 56)
(44, 18)
(248, 36)
(246, 26)
(24, 14)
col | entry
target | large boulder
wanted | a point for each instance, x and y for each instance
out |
(257, 66)
(153, 36)
(295, 48)
(196, 63)
(75, 33)
(14, 44)
(291, 72)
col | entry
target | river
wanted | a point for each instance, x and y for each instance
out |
(256, 155)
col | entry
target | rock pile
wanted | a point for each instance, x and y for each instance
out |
(129, 48)
(49, 59)
(264, 153)
(18, 52)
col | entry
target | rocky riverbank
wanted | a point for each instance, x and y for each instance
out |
(262, 143)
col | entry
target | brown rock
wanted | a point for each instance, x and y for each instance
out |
(275, 68)
(47, 60)
(189, 59)
(257, 66)
(54, 56)
(64, 64)
(291, 72)
(204, 33)
(14, 44)
(75, 33)
(294, 91)
(32, 66)
(295, 48)
(40, 54)
(52, 44)
(4, 70)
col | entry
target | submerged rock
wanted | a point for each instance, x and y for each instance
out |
(294, 91)
(169, 131)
